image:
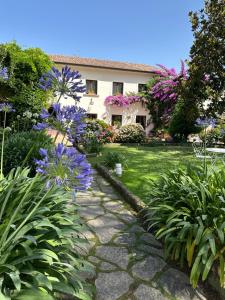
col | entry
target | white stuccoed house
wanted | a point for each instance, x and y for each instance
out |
(104, 78)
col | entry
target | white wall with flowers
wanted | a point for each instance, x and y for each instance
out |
(94, 104)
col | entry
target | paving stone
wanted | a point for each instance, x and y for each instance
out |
(106, 199)
(136, 229)
(106, 227)
(93, 259)
(88, 234)
(116, 255)
(105, 266)
(144, 292)
(149, 238)
(128, 239)
(91, 212)
(127, 217)
(88, 201)
(147, 268)
(98, 193)
(178, 285)
(150, 250)
(113, 205)
(137, 254)
(111, 286)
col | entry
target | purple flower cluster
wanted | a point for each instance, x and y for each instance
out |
(205, 122)
(65, 166)
(66, 83)
(66, 119)
(6, 107)
(122, 101)
(165, 88)
(4, 73)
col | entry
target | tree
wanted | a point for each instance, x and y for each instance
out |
(25, 67)
(162, 92)
(206, 67)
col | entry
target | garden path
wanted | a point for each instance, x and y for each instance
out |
(127, 261)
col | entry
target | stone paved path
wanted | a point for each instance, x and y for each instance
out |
(128, 262)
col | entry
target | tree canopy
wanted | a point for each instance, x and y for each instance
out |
(207, 56)
(25, 67)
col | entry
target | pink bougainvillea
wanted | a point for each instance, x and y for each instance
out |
(165, 88)
(121, 100)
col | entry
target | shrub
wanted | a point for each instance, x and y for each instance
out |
(183, 120)
(186, 210)
(40, 238)
(132, 133)
(24, 145)
(100, 129)
(111, 158)
(25, 67)
(97, 133)
(214, 135)
(92, 144)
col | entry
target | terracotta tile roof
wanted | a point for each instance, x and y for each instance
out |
(100, 63)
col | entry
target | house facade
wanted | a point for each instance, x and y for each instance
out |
(105, 78)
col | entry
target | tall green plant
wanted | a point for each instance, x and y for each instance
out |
(186, 210)
(40, 238)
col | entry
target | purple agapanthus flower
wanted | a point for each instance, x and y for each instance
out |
(44, 114)
(66, 83)
(65, 166)
(41, 126)
(4, 73)
(66, 119)
(205, 122)
(6, 107)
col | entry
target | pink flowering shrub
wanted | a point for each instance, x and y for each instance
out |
(121, 100)
(166, 87)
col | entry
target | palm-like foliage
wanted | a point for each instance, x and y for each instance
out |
(187, 211)
(38, 234)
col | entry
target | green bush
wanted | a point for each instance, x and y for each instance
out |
(186, 211)
(183, 120)
(92, 144)
(132, 133)
(20, 144)
(111, 158)
(40, 238)
(214, 135)
(25, 67)
(103, 132)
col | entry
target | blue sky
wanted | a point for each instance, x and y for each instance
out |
(141, 31)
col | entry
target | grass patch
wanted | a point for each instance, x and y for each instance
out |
(148, 163)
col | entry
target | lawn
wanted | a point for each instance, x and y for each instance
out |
(148, 163)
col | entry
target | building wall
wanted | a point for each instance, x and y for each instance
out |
(105, 79)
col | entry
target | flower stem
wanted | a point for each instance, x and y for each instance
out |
(2, 150)
(56, 136)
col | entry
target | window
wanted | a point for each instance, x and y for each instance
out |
(141, 120)
(92, 116)
(141, 87)
(116, 120)
(117, 88)
(91, 87)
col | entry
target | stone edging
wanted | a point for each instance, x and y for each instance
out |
(134, 201)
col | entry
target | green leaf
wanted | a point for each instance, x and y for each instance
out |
(15, 276)
(208, 266)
